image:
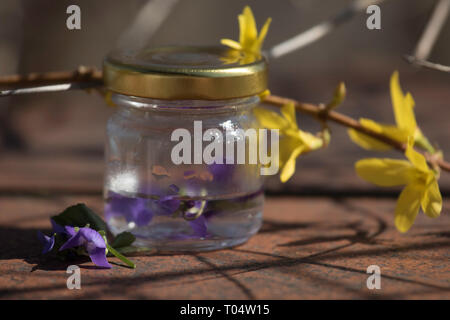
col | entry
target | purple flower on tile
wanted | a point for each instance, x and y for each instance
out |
(91, 240)
(48, 242)
(70, 231)
(57, 228)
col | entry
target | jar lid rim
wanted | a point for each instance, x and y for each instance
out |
(185, 72)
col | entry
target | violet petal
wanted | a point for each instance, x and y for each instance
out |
(199, 226)
(98, 257)
(74, 241)
(93, 237)
(132, 209)
(168, 204)
(69, 231)
(47, 241)
(222, 171)
(56, 227)
(140, 212)
(173, 188)
(143, 217)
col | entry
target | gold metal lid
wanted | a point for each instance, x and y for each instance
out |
(185, 73)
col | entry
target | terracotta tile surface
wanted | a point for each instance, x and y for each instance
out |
(308, 248)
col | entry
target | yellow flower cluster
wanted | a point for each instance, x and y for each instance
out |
(293, 141)
(422, 189)
(420, 181)
(406, 125)
(250, 43)
(421, 186)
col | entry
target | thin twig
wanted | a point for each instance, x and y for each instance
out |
(321, 114)
(432, 30)
(322, 29)
(51, 88)
(82, 74)
(82, 78)
(427, 64)
(147, 21)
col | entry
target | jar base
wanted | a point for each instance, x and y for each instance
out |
(190, 246)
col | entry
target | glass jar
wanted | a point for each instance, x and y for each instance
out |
(171, 104)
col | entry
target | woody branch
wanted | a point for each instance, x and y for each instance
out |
(94, 76)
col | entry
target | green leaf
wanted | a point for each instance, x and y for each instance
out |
(123, 239)
(80, 215)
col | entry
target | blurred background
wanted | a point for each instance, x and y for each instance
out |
(55, 140)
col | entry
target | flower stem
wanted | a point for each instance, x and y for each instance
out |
(121, 257)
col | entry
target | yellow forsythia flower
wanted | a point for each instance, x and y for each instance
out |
(249, 40)
(293, 141)
(107, 95)
(263, 95)
(405, 119)
(422, 189)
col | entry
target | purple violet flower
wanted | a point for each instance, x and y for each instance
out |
(48, 242)
(222, 171)
(169, 204)
(198, 225)
(57, 228)
(133, 209)
(141, 211)
(92, 241)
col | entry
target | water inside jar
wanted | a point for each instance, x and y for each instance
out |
(175, 223)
